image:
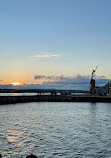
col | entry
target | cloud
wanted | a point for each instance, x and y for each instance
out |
(62, 78)
(78, 82)
(70, 82)
(45, 77)
(45, 55)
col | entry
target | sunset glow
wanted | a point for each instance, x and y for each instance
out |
(59, 49)
(15, 83)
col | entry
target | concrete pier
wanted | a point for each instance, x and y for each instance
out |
(49, 98)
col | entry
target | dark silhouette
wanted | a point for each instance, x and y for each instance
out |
(0, 156)
(53, 92)
(31, 156)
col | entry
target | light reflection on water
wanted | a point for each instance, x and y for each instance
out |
(17, 94)
(53, 130)
(23, 94)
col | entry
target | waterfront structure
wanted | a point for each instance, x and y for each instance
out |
(92, 86)
(104, 90)
(109, 88)
(92, 83)
(53, 98)
(101, 91)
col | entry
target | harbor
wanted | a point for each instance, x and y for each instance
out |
(93, 94)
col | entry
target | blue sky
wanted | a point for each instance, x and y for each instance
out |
(54, 38)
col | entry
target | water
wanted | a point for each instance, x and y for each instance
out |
(21, 94)
(56, 130)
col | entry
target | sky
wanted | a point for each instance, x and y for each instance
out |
(54, 43)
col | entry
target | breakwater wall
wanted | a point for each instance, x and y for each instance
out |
(49, 98)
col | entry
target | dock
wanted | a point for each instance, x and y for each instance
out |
(52, 98)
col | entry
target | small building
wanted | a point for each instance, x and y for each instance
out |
(109, 88)
(104, 90)
(101, 90)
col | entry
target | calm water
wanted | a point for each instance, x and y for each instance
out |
(56, 130)
(17, 94)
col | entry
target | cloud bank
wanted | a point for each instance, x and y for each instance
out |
(77, 80)
(60, 82)
(67, 82)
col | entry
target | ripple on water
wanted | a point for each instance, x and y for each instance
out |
(53, 130)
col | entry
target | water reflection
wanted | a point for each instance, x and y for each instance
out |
(93, 107)
(12, 135)
(93, 116)
(17, 94)
(56, 130)
(18, 139)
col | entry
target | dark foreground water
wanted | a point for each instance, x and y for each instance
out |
(56, 130)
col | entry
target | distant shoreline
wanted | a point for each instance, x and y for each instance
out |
(52, 98)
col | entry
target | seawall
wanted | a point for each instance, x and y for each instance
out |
(49, 98)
